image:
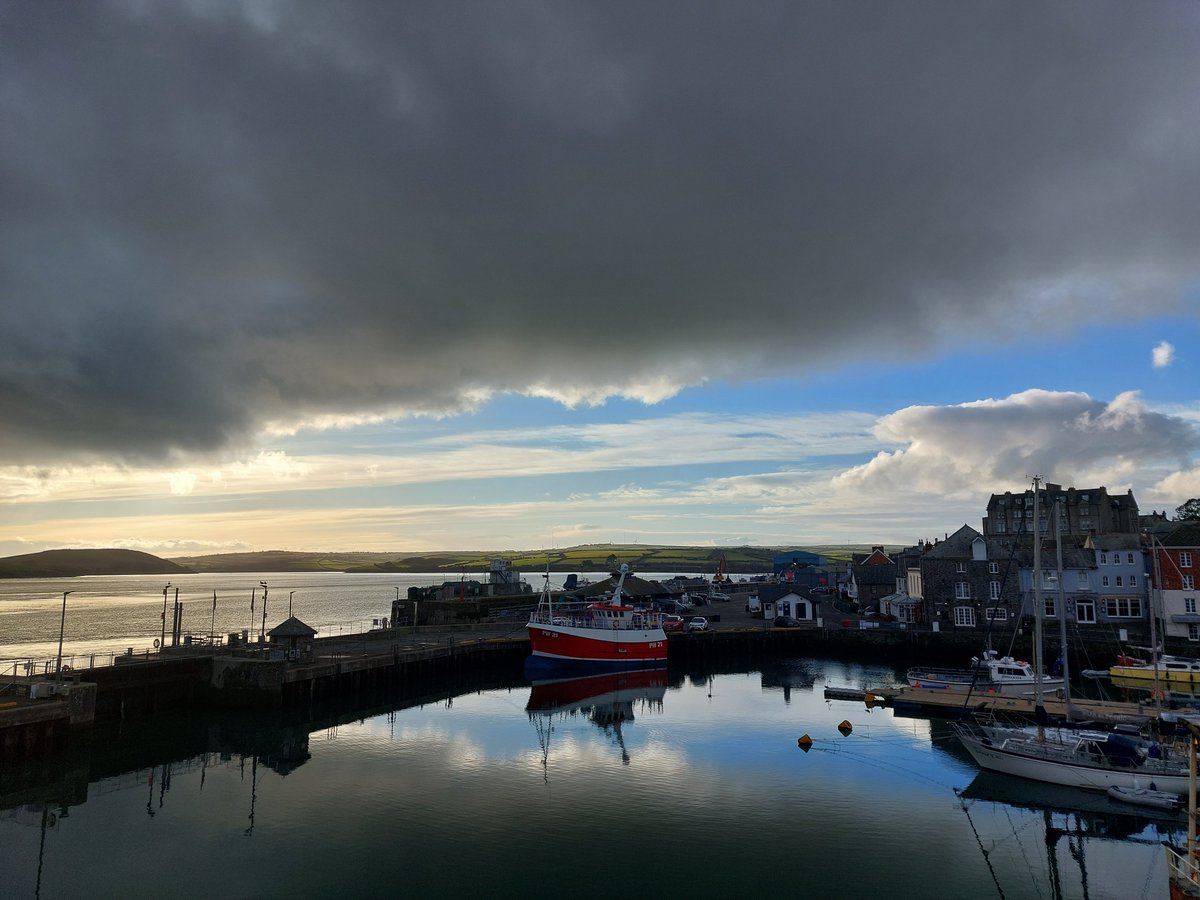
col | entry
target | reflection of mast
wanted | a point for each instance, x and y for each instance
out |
(253, 791)
(607, 700)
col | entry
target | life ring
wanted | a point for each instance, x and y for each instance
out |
(156, 642)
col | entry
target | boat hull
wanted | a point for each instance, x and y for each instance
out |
(566, 645)
(994, 757)
(1167, 678)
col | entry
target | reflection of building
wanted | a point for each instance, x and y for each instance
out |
(788, 678)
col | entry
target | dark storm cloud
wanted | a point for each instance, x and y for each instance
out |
(218, 215)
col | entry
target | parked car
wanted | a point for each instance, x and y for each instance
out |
(718, 596)
(698, 599)
(697, 624)
(820, 589)
(672, 623)
(786, 622)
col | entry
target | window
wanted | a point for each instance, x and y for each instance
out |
(1085, 612)
(1051, 606)
(996, 613)
(960, 568)
(1081, 580)
(1129, 558)
(1123, 607)
(962, 590)
(1133, 581)
(964, 616)
(1104, 559)
(1104, 580)
(1193, 631)
(1119, 584)
(993, 568)
(1189, 605)
(1185, 560)
(993, 590)
(1189, 583)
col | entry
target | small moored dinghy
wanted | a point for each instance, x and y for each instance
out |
(1146, 797)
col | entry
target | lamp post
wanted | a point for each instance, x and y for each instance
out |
(263, 634)
(162, 643)
(290, 603)
(61, 626)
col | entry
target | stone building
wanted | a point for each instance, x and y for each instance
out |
(1081, 512)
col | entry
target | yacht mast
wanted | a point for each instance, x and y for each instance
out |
(1062, 610)
(1039, 707)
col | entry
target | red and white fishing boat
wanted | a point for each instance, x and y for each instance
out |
(606, 634)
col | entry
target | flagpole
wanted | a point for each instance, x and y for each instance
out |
(212, 627)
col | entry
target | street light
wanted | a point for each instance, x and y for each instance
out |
(61, 625)
(162, 644)
(290, 603)
(262, 634)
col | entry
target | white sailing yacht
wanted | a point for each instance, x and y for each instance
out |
(1068, 756)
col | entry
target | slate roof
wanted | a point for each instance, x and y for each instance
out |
(292, 627)
(1185, 535)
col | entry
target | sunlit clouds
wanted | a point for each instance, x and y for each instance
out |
(426, 275)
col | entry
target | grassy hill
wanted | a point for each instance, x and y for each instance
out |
(585, 558)
(588, 557)
(69, 563)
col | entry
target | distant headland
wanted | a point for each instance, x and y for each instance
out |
(583, 558)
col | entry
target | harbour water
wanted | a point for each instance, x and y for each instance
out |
(680, 784)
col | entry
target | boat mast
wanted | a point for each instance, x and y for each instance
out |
(1039, 707)
(1062, 610)
(1154, 619)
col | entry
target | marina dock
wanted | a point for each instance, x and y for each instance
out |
(951, 704)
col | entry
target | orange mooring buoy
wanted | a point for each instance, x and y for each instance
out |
(805, 742)
(845, 728)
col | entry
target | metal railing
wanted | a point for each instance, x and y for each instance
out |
(33, 668)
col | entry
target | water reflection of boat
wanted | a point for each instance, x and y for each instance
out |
(608, 700)
(1065, 813)
(1102, 814)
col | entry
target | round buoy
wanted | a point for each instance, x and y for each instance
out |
(805, 742)
(845, 728)
(868, 698)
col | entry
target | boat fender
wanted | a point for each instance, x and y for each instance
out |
(804, 743)
(845, 728)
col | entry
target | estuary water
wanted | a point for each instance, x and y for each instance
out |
(107, 614)
(685, 784)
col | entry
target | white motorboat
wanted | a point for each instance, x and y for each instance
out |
(988, 674)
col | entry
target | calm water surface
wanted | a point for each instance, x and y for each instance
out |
(689, 784)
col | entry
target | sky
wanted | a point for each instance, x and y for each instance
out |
(432, 276)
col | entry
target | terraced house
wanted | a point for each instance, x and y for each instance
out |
(1176, 565)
